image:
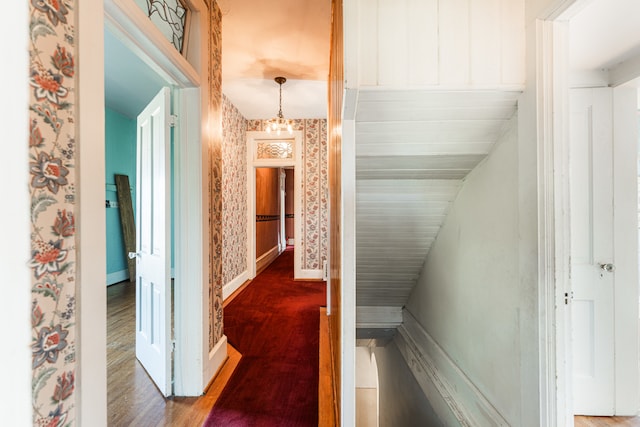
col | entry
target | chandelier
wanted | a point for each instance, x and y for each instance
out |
(279, 123)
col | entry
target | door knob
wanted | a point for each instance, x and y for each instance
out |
(609, 268)
(132, 255)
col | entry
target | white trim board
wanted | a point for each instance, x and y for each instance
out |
(234, 284)
(117, 277)
(267, 258)
(310, 274)
(456, 400)
(216, 358)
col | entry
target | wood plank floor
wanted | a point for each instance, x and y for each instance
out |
(581, 421)
(133, 399)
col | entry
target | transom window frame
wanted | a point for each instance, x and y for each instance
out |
(153, 12)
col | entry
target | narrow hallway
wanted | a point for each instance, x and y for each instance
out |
(274, 322)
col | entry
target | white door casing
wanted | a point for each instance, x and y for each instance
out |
(153, 241)
(592, 275)
(196, 369)
(253, 138)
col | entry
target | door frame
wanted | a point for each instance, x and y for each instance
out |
(191, 370)
(550, 94)
(191, 213)
(253, 137)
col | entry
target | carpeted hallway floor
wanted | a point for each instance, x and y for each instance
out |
(274, 324)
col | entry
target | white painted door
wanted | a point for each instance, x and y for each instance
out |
(592, 278)
(153, 240)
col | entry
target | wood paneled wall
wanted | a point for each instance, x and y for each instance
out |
(336, 90)
(267, 203)
(450, 43)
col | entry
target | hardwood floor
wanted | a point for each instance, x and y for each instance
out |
(133, 399)
(581, 421)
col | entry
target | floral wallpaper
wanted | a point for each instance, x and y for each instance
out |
(215, 175)
(234, 195)
(52, 186)
(315, 188)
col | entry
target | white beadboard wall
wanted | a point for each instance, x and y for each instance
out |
(440, 43)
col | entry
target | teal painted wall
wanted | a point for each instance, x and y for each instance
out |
(120, 158)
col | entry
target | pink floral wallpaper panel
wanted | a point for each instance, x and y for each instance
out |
(215, 176)
(52, 160)
(234, 192)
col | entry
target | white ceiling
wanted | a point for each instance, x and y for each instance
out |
(605, 33)
(260, 41)
(129, 83)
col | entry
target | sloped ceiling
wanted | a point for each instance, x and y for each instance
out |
(413, 151)
(129, 83)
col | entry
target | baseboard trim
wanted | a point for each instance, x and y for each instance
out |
(234, 284)
(310, 275)
(117, 277)
(217, 357)
(267, 258)
(456, 400)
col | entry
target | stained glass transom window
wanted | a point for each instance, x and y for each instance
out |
(275, 150)
(171, 17)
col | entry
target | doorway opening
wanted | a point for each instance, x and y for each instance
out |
(590, 78)
(268, 159)
(125, 99)
(603, 152)
(275, 214)
(148, 54)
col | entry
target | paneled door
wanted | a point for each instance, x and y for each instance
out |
(153, 237)
(592, 255)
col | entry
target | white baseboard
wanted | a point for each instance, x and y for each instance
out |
(117, 277)
(455, 399)
(234, 284)
(310, 274)
(267, 258)
(217, 357)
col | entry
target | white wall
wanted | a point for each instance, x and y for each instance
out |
(401, 400)
(469, 296)
(366, 388)
(418, 43)
(15, 304)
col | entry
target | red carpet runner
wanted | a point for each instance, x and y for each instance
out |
(274, 324)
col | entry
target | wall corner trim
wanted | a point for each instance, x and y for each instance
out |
(456, 400)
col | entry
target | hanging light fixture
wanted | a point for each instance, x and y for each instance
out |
(279, 123)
